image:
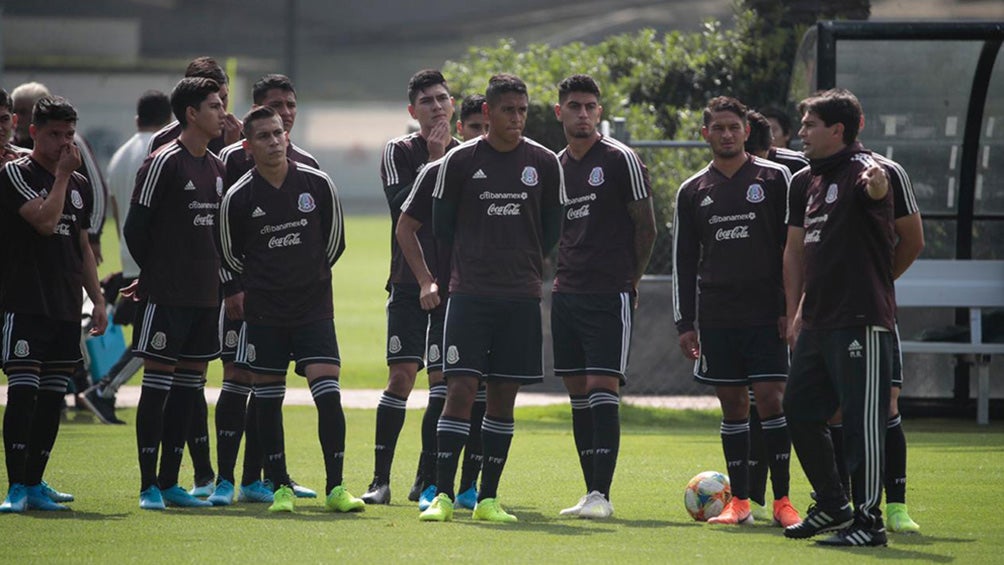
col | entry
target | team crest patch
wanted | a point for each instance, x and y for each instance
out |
(305, 203)
(231, 339)
(158, 341)
(251, 353)
(831, 194)
(433, 353)
(596, 176)
(452, 355)
(755, 194)
(530, 176)
(394, 344)
(219, 186)
(21, 348)
(76, 199)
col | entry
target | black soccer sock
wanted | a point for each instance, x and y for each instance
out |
(198, 433)
(605, 407)
(253, 456)
(389, 420)
(895, 461)
(837, 437)
(177, 423)
(775, 432)
(473, 449)
(430, 432)
(231, 409)
(22, 391)
(736, 446)
(497, 436)
(758, 458)
(330, 428)
(815, 450)
(45, 425)
(582, 432)
(150, 423)
(451, 435)
(269, 399)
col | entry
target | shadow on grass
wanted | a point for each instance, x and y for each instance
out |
(75, 515)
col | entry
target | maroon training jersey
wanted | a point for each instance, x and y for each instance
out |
(43, 274)
(283, 242)
(418, 205)
(499, 198)
(849, 243)
(728, 240)
(183, 194)
(596, 252)
(794, 160)
(171, 131)
(238, 161)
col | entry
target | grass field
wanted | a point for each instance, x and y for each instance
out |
(660, 451)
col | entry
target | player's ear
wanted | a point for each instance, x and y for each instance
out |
(557, 111)
(411, 111)
(704, 132)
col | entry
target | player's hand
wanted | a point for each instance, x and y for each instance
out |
(689, 345)
(131, 291)
(234, 305)
(877, 181)
(99, 319)
(438, 140)
(69, 159)
(231, 129)
(429, 296)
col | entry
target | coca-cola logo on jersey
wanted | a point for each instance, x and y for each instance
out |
(62, 229)
(288, 240)
(738, 232)
(510, 209)
(578, 213)
(203, 220)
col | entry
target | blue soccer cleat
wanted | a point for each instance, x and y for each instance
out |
(223, 495)
(38, 500)
(150, 499)
(17, 499)
(177, 496)
(54, 495)
(467, 499)
(255, 492)
(301, 491)
(428, 495)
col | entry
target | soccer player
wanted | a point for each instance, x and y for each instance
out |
(780, 126)
(728, 241)
(153, 110)
(607, 234)
(236, 409)
(408, 325)
(45, 206)
(838, 269)
(429, 260)
(759, 143)
(170, 234)
(497, 198)
(281, 232)
(8, 122)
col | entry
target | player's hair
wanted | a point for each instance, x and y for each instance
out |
(52, 109)
(191, 92)
(255, 114)
(471, 105)
(577, 83)
(207, 67)
(760, 137)
(424, 79)
(724, 104)
(153, 109)
(782, 117)
(269, 82)
(5, 100)
(837, 105)
(503, 83)
(31, 91)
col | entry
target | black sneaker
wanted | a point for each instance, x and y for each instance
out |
(103, 408)
(416, 489)
(818, 520)
(858, 535)
(377, 493)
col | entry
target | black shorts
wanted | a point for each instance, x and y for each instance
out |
(591, 333)
(30, 340)
(897, 360)
(267, 350)
(494, 338)
(413, 335)
(169, 333)
(230, 331)
(741, 356)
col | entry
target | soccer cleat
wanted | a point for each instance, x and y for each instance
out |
(574, 510)
(467, 499)
(38, 500)
(17, 499)
(378, 493)
(857, 536)
(596, 506)
(282, 500)
(54, 495)
(255, 492)
(439, 510)
(223, 494)
(899, 521)
(818, 520)
(177, 496)
(785, 514)
(489, 510)
(103, 408)
(301, 491)
(759, 511)
(416, 489)
(202, 489)
(427, 497)
(151, 499)
(737, 511)
(340, 500)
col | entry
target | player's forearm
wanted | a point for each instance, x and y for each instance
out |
(910, 230)
(44, 215)
(643, 216)
(90, 273)
(137, 232)
(407, 237)
(793, 274)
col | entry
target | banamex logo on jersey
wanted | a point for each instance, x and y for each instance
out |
(529, 176)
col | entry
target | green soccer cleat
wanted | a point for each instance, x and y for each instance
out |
(898, 519)
(489, 510)
(282, 500)
(440, 510)
(340, 500)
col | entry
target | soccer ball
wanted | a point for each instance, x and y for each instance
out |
(706, 495)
